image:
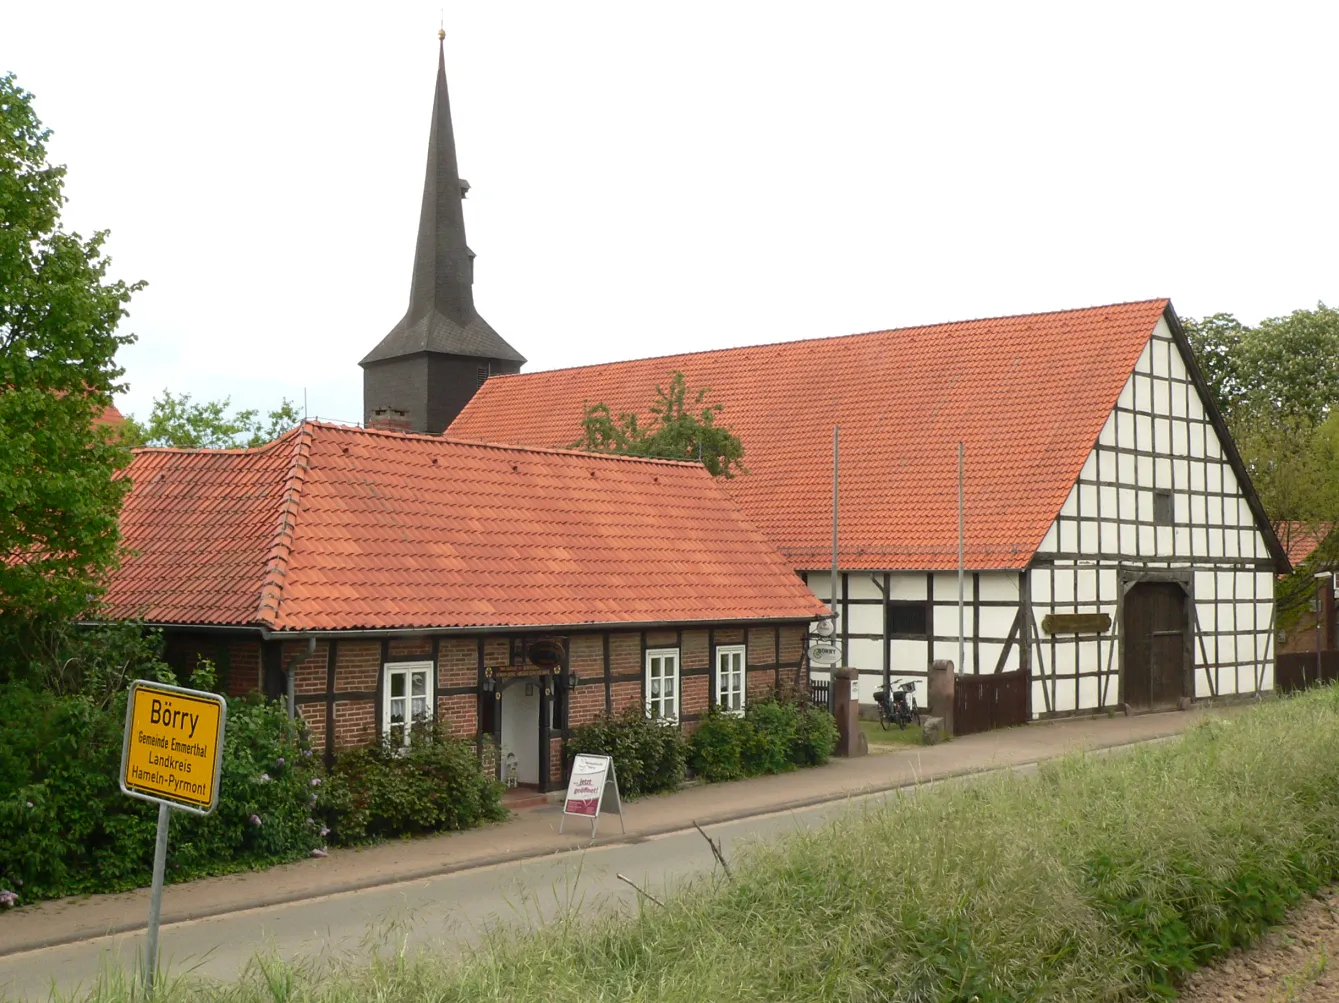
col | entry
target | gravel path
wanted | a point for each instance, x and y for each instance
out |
(1297, 963)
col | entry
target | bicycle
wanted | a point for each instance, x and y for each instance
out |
(901, 709)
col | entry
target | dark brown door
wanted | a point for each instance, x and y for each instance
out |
(1153, 639)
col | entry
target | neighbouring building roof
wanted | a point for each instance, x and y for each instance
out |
(1026, 395)
(1300, 539)
(337, 528)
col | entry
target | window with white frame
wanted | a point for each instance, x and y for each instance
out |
(730, 670)
(662, 683)
(406, 698)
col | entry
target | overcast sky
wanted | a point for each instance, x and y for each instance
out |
(651, 178)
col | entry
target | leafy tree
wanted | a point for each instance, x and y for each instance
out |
(677, 430)
(59, 493)
(178, 421)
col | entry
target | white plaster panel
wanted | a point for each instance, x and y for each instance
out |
(1050, 543)
(946, 621)
(1203, 688)
(908, 656)
(1206, 585)
(1039, 697)
(1126, 397)
(1180, 397)
(865, 619)
(1147, 545)
(1181, 544)
(990, 654)
(1124, 468)
(1041, 587)
(1110, 537)
(1086, 585)
(1063, 586)
(1129, 539)
(1267, 676)
(1089, 657)
(1225, 581)
(1087, 500)
(1088, 541)
(1064, 695)
(1162, 472)
(1143, 430)
(908, 586)
(999, 585)
(1106, 464)
(861, 586)
(1144, 471)
(1143, 392)
(865, 655)
(818, 584)
(1162, 397)
(1071, 505)
(1125, 429)
(996, 621)
(1088, 693)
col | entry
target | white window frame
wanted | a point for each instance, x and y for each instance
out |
(663, 705)
(407, 670)
(725, 654)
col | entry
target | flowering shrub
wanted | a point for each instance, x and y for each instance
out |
(66, 828)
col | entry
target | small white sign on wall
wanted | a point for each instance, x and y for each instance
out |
(592, 788)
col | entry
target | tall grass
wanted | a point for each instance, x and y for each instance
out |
(1102, 878)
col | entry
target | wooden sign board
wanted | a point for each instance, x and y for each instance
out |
(173, 746)
(1076, 623)
(592, 788)
(824, 654)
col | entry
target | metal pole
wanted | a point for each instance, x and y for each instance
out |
(833, 606)
(962, 642)
(156, 898)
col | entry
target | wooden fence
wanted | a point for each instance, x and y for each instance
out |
(1300, 669)
(985, 702)
(820, 693)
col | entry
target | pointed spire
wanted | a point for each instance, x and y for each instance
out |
(441, 315)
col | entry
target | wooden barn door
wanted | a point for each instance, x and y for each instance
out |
(1153, 639)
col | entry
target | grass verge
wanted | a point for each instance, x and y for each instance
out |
(1101, 878)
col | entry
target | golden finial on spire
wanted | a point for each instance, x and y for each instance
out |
(441, 34)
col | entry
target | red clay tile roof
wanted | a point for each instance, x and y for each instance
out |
(1027, 396)
(1299, 539)
(333, 528)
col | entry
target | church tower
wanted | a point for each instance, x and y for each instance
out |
(431, 363)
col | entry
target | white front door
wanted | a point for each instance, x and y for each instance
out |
(520, 730)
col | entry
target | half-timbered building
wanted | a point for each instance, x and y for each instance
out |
(1114, 553)
(373, 579)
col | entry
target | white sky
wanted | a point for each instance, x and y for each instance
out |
(658, 178)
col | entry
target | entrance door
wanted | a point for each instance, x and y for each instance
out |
(1153, 643)
(520, 729)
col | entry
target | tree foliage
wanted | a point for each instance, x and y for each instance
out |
(59, 493)
(1277, 385)
(176, 420)
(677, 430)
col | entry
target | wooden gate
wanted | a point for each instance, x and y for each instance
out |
(1300, 669)
(982, 703)
(1153, 645)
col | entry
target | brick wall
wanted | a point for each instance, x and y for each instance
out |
(243, 666)
(409, 647)
(457, 663)
(556, 765)
(355, 723)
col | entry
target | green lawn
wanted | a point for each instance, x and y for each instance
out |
(911, 735)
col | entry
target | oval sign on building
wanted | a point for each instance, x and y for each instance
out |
(824, 654)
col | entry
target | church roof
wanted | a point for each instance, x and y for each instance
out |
(1026, 395)
(335, 528)
(441, 315)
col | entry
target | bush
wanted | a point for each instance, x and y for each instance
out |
(772, 737)
(388, 790)
(649, 756)
(66, 828)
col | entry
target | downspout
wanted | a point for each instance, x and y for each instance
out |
(292, 663)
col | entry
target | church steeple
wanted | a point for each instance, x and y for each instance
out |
(408, 371)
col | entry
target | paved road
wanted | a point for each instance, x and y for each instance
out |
(451, 910)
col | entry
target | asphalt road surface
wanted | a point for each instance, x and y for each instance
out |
(446, 912)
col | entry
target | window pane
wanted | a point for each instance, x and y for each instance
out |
(655, 688)
(420, 708)
(397, 684)
(669, 687)
(420, 683)
(397, 711)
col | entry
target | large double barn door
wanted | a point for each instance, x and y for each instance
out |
(1153, 644)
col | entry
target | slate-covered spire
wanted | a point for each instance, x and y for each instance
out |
(441, 317)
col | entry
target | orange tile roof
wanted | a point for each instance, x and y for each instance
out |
(336, 528)
(1300, 539)
(1026, 395)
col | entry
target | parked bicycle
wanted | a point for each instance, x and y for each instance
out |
(901, 709)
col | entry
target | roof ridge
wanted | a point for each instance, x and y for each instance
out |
(219, 451)
(833, 337)
(281, 547)
(508, 446)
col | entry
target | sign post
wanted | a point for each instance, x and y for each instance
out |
(171, 755)
(593, 786)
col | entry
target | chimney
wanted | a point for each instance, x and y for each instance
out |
(390, 419)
